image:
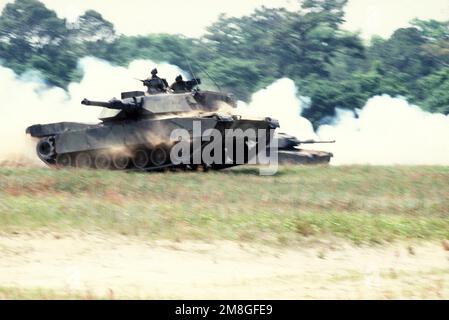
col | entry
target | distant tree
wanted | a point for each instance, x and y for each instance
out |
(243, 54)
(311, 38)
(91, 34)
(244, 50)
(33, 37)
(434, 91)
(92, 27)
(437, 35)
(403, 57)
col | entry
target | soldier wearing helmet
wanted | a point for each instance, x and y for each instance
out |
(179, 85)
(155, 84)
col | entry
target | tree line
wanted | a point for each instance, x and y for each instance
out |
(334, 67)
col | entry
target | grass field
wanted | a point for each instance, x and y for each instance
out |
(359, 203)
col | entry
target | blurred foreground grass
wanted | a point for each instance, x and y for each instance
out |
(14, 293)
(362, 204)
(45, 294)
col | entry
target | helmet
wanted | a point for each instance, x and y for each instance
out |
(154, 71)
(178, 78)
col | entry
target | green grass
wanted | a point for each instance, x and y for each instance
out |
(7, 293)
(359, 203)
(13, 293)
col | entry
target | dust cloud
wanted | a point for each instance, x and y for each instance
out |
(26, 100)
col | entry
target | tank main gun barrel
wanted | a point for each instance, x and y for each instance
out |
(314, 141)
(127, 105)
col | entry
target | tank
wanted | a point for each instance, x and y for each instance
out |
(134, 131)
(290, 151)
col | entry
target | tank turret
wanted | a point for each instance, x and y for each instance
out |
(127, 105)
(290, 151)
(145, 106)
(289, 142)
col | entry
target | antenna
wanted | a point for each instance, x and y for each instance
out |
(191, 71)
(207, 74)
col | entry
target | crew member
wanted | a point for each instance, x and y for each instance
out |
(179, 85)
(155, 84)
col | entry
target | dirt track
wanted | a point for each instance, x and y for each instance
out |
(119, 267)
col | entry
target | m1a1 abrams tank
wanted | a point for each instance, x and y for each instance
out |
(134, 132)
(290, 152)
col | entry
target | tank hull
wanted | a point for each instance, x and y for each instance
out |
(141, 144)
(290, 151)
(304, 157)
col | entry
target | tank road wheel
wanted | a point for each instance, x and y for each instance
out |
(46, 148)
(83, 160)
(102, 161)
(63, 160)
(158, 156)
(120, 161)
(140, 158)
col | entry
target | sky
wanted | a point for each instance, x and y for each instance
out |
(134, 17)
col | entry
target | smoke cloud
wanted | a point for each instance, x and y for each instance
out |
(389, 131)
(386, 130)
(26, 100)
(280, 101)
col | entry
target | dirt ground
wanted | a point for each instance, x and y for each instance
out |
(120, 267)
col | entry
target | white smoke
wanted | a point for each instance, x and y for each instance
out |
(280, 101)
(389, 131)
(26, 100)
(386, 131)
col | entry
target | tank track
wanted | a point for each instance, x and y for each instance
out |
(304, 157)
(138, 159)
